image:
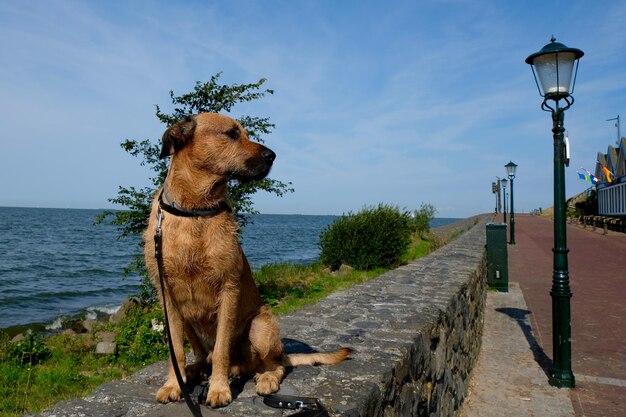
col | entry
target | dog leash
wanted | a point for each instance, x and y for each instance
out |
(158, 254)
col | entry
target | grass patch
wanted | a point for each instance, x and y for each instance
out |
(39, 372)
(72, 369)
(419, 247)
(286, 287)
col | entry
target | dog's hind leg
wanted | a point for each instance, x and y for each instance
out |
(265, 341)
(270, 377)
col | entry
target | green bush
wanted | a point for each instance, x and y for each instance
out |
(138, 343)
(376, 237)
(30, 351)
(422, 219)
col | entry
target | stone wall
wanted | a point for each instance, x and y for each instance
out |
(415, 332)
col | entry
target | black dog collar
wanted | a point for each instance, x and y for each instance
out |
(173, 208)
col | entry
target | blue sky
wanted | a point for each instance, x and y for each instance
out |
(402, 102)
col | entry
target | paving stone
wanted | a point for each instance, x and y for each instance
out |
(507, 381)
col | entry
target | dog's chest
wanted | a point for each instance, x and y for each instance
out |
(199, 266)
(195, 303)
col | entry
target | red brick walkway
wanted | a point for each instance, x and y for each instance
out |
(597, 266)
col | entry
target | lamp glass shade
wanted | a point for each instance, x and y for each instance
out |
(554, 72)
(510, 169)
(553, 67)
(504, 182)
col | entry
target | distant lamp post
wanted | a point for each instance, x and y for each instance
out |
(494, 190)
(504, 181)
(553, 67)
(498, 189)
(510, 170)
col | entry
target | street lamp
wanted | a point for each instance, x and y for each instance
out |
(499, 202)
(504, 181)
(510, 170)
(553, 66)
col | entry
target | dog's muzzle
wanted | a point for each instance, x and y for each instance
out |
(257, 168)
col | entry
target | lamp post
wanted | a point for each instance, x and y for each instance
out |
(494, 190)
(498, 189)
(504, 181)
(510, 170)
(553, 67)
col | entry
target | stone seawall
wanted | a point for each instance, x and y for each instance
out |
(415, 332)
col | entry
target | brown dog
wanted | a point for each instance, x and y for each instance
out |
(210, 293)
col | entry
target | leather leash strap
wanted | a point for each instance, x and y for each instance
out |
(158, 254)
(310, 407)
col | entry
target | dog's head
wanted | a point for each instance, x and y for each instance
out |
(216, 144)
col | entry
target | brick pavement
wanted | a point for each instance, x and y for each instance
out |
(597, 266)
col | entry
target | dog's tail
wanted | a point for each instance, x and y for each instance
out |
(318, 358)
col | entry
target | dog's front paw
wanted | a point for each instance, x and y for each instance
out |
(168, 392)
(267, 383)
(219, 394)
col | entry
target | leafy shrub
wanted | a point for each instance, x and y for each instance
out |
(29, 351)
(137, 342)
(376, 237)
(422, 218)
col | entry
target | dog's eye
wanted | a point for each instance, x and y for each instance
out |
(233, 133)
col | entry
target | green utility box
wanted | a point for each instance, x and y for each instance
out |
(497, 257)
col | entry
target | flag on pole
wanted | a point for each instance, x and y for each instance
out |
(608, 174)
(587, 176)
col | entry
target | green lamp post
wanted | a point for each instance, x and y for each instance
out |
(510, 170)
(553, 67)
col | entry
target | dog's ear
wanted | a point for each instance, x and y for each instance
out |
(177, 135)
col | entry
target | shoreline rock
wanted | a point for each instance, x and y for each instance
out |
(72, 326)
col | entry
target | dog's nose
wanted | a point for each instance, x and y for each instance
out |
(268, 155)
